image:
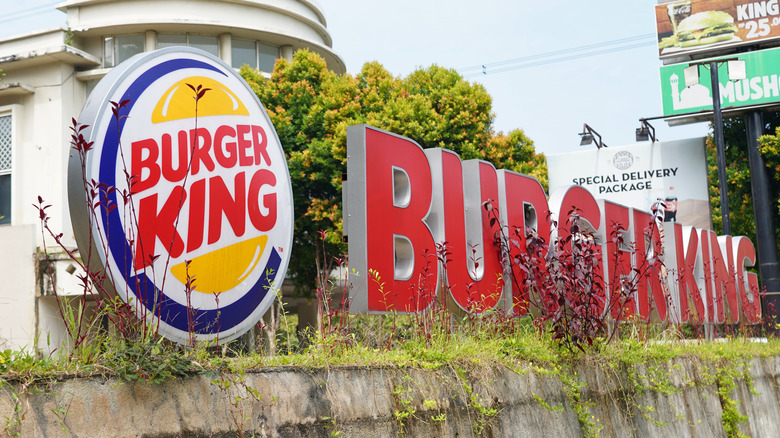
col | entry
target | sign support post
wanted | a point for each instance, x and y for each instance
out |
(720, 146)
(765, 235)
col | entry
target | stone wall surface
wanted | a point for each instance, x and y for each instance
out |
(675, 399)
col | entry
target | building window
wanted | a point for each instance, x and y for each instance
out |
(254, 54)
(207, 43)
(267, 56)
(117, 49)
(171, 39)
(6, 142)
(243, 52)
(204, 42)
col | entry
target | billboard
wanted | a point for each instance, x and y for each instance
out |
(761, 86)
(198, 225)
(693, 26)
(638, 175)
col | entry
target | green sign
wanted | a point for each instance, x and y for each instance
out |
(762, 85)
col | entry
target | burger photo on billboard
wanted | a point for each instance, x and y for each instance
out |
(702, 28)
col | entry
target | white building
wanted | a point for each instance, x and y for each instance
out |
(48, 75)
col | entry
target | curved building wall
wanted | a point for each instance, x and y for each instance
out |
(284, 23)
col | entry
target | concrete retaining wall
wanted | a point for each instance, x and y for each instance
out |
(359, 402)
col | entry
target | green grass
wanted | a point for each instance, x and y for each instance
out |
(521, 349)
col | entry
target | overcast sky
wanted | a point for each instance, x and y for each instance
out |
(549, 101)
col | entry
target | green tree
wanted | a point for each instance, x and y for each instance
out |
(770, 151)
(738, 173)
(516, 152)
(311, 108)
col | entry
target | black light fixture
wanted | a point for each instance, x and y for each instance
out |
(645, 132)
(586, 139)
(588, 135)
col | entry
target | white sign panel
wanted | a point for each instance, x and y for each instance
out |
(638, 175)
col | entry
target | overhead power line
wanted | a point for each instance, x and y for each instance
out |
(559, 55)
(21, 13)
(563, 51)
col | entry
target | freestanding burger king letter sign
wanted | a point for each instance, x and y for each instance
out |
(200, 235)
(403, 204)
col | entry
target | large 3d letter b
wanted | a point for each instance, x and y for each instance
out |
(387, 200)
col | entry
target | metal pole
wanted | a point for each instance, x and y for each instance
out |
(762, 211)
(721, 148)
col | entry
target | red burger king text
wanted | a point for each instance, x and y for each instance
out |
(401, 201)
(201, 151)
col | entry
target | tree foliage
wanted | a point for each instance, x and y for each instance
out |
(770, 151)
(738, 174)
(311, 108)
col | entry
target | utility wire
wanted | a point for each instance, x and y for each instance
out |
(563, 51)
(21, 13)
(555, 56)
(554, 60)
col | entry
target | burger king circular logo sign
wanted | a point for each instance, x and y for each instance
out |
(194, 224)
